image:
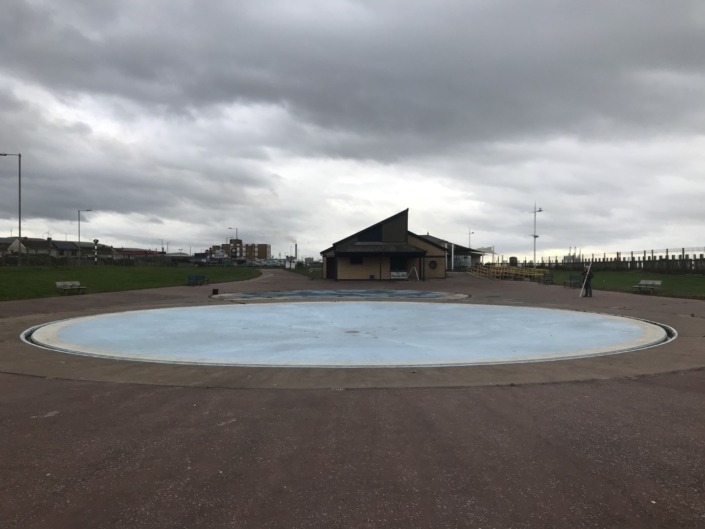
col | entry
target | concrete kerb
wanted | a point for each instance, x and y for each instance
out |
(688, 352)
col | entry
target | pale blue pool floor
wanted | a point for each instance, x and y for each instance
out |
(340, 334)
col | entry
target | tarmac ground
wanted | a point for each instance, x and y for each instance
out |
(610, 441)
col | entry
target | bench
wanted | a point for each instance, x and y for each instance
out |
(573, 282)
(648, 284)
(70, 286)
(197, 280)
(546, 279)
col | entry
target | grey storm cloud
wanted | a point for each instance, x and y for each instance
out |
(209, 95)
(427, 72)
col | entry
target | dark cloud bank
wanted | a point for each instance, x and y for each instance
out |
(192, 112)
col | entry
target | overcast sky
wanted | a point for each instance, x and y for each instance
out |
(309, 120)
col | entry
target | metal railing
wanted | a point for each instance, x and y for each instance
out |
(503, 272)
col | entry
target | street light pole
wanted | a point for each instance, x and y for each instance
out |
(19, 201)
(79, 234)
(470, 232)
(535, 236)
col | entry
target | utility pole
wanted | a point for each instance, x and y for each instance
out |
(79, 234)
(535, 236)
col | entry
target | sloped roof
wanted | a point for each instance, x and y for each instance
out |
(459, 249)
(405, 212)
(375, 248)
(65, 245)
(435, 241)
(43, 244)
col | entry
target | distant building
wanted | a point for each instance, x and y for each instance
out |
(258, 251)
(36, 246)
(129, 253)
(235, 249)
(386, 250)
(462, 256)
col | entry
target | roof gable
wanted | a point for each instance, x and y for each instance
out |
(392, 229)
(435, 241)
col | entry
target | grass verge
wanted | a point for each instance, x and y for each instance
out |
(39, 281)
(308, 272)
(675, 286)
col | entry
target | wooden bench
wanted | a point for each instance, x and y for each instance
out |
(573, 282)
(546, 279)
(197, 280)
(648, 284)
(70, 286)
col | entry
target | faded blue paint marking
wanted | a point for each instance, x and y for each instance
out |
(348, 334)
(326, 294)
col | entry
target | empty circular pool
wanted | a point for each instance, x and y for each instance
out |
(347, 334)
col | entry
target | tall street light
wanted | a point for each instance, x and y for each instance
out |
(535, 236)
(79, 234)
(19, 201)
(470, 232)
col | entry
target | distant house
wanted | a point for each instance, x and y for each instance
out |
(130, 253)
(383, 251)
(5, 243)
(33, 246)
(66, 248)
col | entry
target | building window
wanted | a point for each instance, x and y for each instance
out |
(432, 265)
(356, 260)
(398, 264)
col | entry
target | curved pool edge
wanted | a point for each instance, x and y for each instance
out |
(670, 334)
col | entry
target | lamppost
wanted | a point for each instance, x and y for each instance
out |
(535, 236)
(19, 201)
(470, 232)
(79, 234)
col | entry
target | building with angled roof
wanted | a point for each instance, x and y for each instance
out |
(386, 250)
(462, 256)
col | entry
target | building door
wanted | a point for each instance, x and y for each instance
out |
(331, 268)
(397, 264)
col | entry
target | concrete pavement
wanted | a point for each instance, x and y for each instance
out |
(620, 442)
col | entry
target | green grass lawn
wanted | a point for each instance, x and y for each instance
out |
(39, 281)
(677, 286)
(317, 272)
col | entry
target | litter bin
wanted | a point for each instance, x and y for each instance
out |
(372, 276)
(215, 291)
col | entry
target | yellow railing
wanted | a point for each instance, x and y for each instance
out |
(506, 272)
